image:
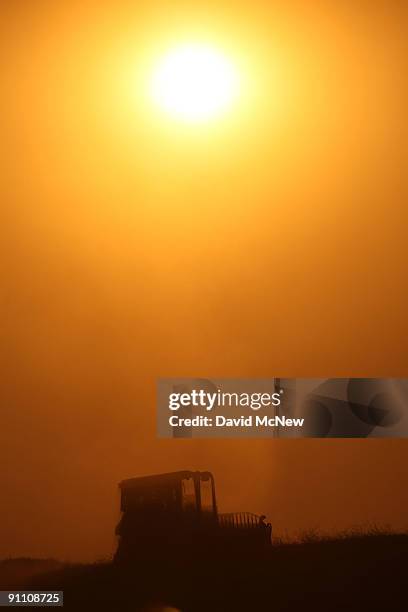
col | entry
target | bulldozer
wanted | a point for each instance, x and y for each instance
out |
(176, 514)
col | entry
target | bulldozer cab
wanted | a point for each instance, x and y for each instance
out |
(163, 513)
(176, 494)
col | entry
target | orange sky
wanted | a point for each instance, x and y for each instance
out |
(270, 243)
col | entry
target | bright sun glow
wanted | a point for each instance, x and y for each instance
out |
(194, 83)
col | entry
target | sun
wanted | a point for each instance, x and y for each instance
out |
(194, 83)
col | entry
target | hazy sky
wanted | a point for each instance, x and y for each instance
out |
(270, 243)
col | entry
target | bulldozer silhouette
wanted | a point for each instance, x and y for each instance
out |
(176, 514)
